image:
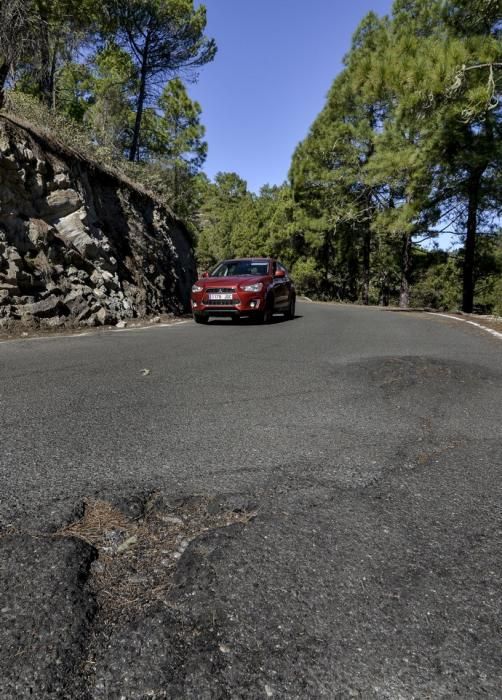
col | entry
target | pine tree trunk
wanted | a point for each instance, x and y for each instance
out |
(176, 183)
(404, 294)
(52, 77)
(470, 243)
(133, 152)
(366, 267)
(4, 74)
(370, 207)
(44, 81)
(384, 292)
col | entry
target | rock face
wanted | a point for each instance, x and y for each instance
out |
(79, 245)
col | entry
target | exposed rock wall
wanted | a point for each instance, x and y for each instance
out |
(79, 245)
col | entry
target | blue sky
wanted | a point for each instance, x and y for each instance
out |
(276, 61)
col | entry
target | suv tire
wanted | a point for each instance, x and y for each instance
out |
(290, 313)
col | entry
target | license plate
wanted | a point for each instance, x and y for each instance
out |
(220, 297)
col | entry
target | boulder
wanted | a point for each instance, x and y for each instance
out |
(62, 180)
(105, 317)
(45, 308)
(80, 303)
(73, 232)
(61, 203)
(39, 232)
(27, 282)
(9, 277)
(79, 277)
(8, 288)
(53, 322)
(109, 264)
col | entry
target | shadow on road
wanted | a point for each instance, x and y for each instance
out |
(249, 321)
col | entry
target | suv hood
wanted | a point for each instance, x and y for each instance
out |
(207, 282)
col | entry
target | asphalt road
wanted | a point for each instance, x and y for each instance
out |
(366, 447)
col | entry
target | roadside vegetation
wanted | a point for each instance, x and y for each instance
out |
(404, 158)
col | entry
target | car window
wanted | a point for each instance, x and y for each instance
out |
(231, 268)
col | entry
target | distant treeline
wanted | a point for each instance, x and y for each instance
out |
(406, 152)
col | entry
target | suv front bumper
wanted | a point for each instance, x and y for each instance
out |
(235, 307)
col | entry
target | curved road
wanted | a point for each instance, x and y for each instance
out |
(369, 444)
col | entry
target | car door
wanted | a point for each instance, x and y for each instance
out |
(281, 288)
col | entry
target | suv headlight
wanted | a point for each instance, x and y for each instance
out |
(196, 289)
(252, 287)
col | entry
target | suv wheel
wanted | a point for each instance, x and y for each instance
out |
(199, 318)
(265, 316)
(290, 313)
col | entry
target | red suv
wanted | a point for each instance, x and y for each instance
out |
(255, 287)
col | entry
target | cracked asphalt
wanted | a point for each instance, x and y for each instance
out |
(369, 444)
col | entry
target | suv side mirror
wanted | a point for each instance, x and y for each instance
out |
(280, 273)
(205, 274)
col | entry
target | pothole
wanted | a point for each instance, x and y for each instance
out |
(139, 545)
(137, 557)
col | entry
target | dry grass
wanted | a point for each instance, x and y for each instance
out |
(493, 322)
(75, 141)
(138, 558)
(100, 517)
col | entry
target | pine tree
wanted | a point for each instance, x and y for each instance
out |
(111, 95)
(180, 133)
(163, 38)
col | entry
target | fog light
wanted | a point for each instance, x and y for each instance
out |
(194, 304)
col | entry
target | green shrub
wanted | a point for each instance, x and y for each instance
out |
(307, 276)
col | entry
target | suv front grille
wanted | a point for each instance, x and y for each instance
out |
(220, 290)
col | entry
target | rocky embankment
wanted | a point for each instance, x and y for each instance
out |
(79, 244)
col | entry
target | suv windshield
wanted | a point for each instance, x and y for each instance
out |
(233, 268)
